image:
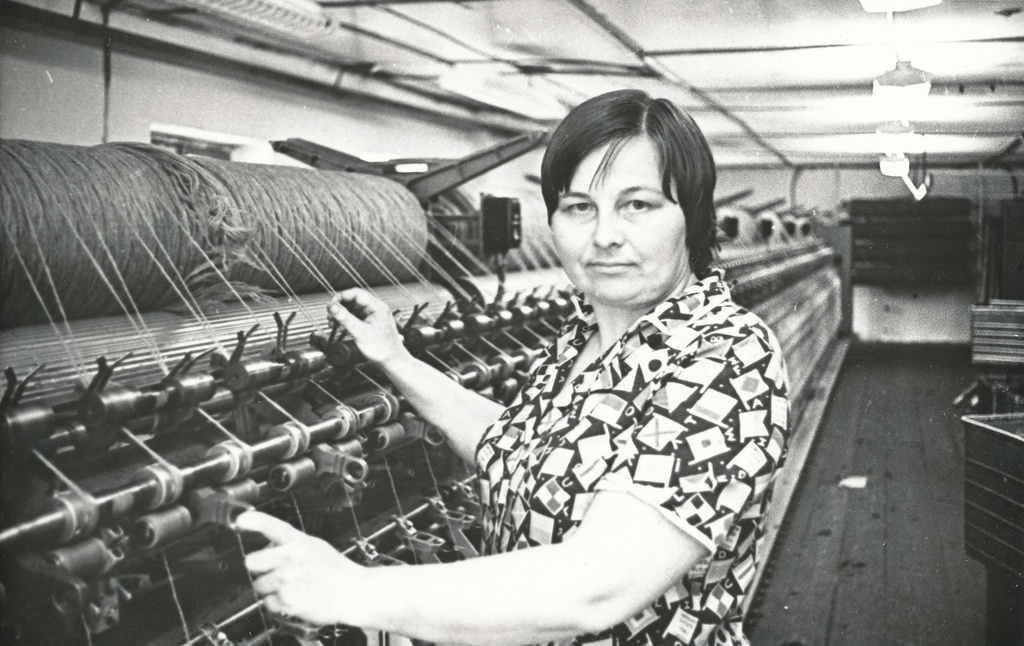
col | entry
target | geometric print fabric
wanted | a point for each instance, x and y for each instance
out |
(686, 412)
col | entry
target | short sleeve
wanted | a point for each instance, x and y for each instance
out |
(712, 436)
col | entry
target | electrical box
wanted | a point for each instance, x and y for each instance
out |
(502, 224)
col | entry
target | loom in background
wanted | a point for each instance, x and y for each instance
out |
(169, 364)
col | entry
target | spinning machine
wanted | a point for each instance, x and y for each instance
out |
(169, 364)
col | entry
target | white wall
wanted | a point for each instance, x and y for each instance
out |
(829, 188)
(51, 90)
(912, 315)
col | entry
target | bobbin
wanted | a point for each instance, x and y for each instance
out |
(288, 475)
(298, 437)
(239, 457)
(166, 480)
(346, 417)
(86, 559)
(79, 514)
(162, 527)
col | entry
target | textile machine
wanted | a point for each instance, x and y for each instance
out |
(133, 434)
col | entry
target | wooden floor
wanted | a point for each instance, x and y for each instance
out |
(882, 565)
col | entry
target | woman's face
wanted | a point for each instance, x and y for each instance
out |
(620, 239)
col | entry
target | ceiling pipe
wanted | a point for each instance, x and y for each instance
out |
(733, 197)
(652, 63)
(794, 178)
(770, 204)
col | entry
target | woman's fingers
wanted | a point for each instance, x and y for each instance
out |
(265, 560)
(359, 302)
(356, 310)
(344, 317)
(265, 585)
(278, 531)
(307, 579)
(368, 320)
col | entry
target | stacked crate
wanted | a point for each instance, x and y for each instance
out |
(903, 242)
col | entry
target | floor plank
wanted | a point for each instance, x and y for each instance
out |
(812, 529)
(883, 564)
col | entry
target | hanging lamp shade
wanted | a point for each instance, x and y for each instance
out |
(900, 90)
(894, 165)
(904, 79)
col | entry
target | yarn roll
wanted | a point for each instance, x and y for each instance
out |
(121, 229)
(76, 225)
(313, 226)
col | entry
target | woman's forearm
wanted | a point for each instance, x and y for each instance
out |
(623, 556)
(531, 596)
(461, 414)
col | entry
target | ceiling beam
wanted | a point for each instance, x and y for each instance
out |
(362, 31)
(1005, 165)
(765, 49)
(1010, 148)
(729, 138)
(488, 56)
(654, 65)
(334, 4)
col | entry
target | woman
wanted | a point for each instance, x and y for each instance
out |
(625, 487)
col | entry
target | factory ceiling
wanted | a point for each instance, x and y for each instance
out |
(773, 83)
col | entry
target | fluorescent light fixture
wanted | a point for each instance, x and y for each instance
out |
(894, 165)
(411, 167)
(885, 6)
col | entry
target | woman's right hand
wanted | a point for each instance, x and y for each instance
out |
(370, 323)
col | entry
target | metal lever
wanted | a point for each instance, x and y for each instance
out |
(414, 317)
(186, 364)
(370, 556)
(445, 313)
(457, 522)
(302, 631)
(214, 636)
(105, 372)
(423, 544)
(281, 343)
(210, 506)
(338, 634)
(219, 360)
(15, 389)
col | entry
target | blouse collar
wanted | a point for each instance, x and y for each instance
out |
(682, 303)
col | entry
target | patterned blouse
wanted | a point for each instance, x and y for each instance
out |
(687, 412)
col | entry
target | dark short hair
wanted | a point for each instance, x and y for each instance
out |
(685, 158)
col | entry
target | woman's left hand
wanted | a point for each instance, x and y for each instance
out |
(300, 577)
